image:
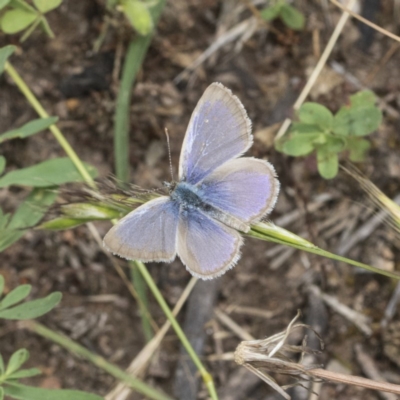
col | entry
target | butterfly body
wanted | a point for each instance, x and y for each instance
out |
(189, 198)
(218, 195)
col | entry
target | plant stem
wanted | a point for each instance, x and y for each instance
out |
(134, 57)
(99, 361)
(23, 87)
(207, 378)
(272, 233)
(139, 285)
(135, 54)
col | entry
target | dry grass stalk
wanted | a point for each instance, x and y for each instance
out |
(271, 355)
(377, 196)
(365, 21)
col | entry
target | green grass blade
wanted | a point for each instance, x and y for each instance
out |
(22, 392)
(135, 55)
(98, 361)
(136, 52)
(272, 233)
(140, 287)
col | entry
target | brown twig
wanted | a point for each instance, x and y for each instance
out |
(365, 21)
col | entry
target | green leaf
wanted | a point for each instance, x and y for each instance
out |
(1, 284)
(138, 15)
(4, 219)
(22, 392)
(32, 309)
(111, 4)
(48, 173)
(300, 144)
(22, 5)
(1, 393)
(33, 208)
(45, 6)
(1, 365)
(25, 373)
(2, 164)
(5, 52)
(293, 18)
(89, 211)
(358, 148)
(328, 162)
(61, 223)
(271, 12)
(16, 360)
(316, 114)
(3, 3)
(363, 99)
(27, 215)
(16, 20)
(334, 144)
(302, 128)
(357, 121)
(29, 129)
(15, 296)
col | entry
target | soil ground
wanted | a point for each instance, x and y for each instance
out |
(267, 287)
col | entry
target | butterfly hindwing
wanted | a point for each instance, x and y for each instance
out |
(207, 247)
(245, 188)
(218, 131)
(147, 233)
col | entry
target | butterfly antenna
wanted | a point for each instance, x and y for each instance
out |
(169, 154)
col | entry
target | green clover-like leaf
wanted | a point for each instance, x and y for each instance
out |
(45, 6)
(15, 296)
(16, 360)
(358, 148)
(293, 18)
(327, 161)
(300, 144)
(17, 20)
(316, 114)
(32, 309)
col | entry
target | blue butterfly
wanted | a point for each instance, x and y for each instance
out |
(218, 195)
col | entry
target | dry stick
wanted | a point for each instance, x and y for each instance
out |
(121, 391)
(365, 21)
(317, 70)
(354, 380)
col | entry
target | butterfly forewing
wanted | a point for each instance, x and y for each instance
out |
(147, 233)
(218, 131)
(245, 188)
(207, 247)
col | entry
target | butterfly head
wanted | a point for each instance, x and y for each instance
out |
(170, 186)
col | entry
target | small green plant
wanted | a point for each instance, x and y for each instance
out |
(19, 15)
(290, 16)
(328, 135)
(137, 12)
(43, 178)
(12, 373)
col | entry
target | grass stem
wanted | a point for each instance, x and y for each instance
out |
(207, 378)
(95, 359)
(33, 101)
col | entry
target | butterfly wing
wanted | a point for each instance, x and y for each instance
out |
(245, 188)
(218, 131)
(147, 233)
(207, 247)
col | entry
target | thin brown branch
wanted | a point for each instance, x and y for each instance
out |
(354, 380)
(365, 21)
